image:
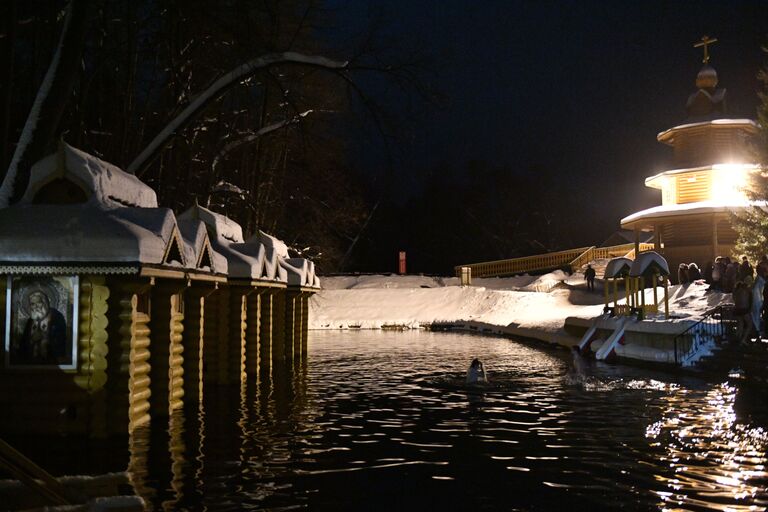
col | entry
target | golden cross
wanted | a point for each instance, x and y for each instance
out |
(704, 42)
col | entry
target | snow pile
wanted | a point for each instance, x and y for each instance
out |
(105, 184)
(300, 272)
(376, 301)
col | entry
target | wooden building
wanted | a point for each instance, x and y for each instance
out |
(116, 311)
(711, 164)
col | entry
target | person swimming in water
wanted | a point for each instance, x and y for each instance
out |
(476, 373)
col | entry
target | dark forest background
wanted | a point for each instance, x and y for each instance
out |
(308, 155)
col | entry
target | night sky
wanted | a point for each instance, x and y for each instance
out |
(580, 89)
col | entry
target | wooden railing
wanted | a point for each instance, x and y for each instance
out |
(33, 476)
(716, 325)
(572, 258)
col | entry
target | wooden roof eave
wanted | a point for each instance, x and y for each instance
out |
(257, 283)
(668, 136)
(647, 224)
(180, 273)
(303, 289)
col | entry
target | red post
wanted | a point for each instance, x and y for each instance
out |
(401, 266)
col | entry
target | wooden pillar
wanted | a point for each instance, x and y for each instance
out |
(252, 334)
(92, 349)
(266, 316)
(223, 341)
(166, 356)
(194, 342)
(139, 368)
(176, 353)
(290, 325)
(128, 358)
(279, 355)
(238, 297)
(637, 241)
(211, 339)
(298, 317)
(305, 323)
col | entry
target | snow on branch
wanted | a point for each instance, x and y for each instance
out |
(7, 190)
(255, 135)
(218, 88)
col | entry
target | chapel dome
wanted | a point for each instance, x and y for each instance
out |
(707, 77)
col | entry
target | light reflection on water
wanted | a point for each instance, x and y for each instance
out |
(382, 421)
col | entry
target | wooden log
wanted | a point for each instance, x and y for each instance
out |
(193, 342)
(237, 319)
(305, 323)
(265, 334)
(252, 331)
(223, 298)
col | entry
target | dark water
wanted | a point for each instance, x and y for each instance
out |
(382, 421)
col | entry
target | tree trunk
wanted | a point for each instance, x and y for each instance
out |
(43, 120)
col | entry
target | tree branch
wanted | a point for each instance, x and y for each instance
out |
(217, 89)
(43, 120)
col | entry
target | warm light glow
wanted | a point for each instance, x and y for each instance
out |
(735, 452)
(728, 181)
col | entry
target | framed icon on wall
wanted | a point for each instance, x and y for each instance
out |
(41, 322)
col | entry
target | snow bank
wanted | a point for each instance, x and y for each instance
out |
(512, 305)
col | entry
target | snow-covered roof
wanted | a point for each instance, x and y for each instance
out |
(271, 242)
(667, 135)
(86, 233)
(617, 267)
(301, 272)
(250, 260)
(648, 262)
(197, 247)
(81, 212)
(696, 208)
(104, 184)
(218, 225)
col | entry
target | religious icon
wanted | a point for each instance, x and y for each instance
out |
(40, 330)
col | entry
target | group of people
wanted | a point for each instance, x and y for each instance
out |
(688, 273)
(724, 273)
(750, 295)
(745, 282)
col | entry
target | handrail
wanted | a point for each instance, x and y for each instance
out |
(524, 264)
(33, 476)
(582, 258)
(712, 325)
(570, 257)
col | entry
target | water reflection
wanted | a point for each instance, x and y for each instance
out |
(715, 461)
(381, 421)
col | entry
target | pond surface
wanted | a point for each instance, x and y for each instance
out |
(382, 421)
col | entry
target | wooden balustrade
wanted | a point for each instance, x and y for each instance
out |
(572, 258)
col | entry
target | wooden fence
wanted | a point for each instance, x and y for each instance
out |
(573, 259)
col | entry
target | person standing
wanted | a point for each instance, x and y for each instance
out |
(758, 301)
(742, 310)
(718, 269)
(745, 269)
(589, 275)
(694, 274)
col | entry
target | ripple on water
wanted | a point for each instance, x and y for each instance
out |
(383, 421)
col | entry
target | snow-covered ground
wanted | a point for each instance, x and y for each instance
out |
(533, 306)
